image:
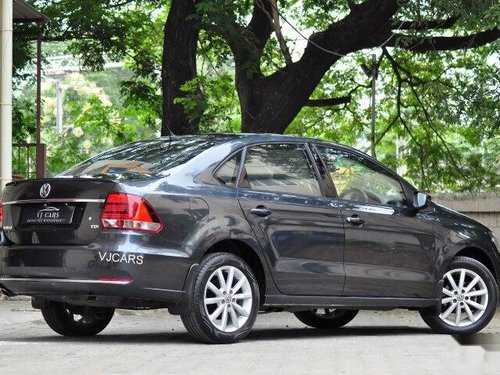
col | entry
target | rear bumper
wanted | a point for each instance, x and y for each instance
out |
(122, 277)
(90, 292)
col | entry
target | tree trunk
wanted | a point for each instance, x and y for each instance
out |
(269, 104)
(179, 65)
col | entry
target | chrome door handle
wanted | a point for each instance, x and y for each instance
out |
(355, 220)
(260, 211)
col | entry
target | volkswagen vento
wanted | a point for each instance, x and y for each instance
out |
(219, 227)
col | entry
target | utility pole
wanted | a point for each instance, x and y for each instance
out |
(41, 149)
(374, 75)
(58, 77)
(59, 105)
(372, 72)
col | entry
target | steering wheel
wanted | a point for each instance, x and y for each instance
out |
(354, 194)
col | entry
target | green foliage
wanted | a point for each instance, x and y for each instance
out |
(96, 128)
(438, 119)
(445, 119)
(213, 101)
(23, 120)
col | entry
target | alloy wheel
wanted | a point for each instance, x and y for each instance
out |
(228, 298)
(465, 297)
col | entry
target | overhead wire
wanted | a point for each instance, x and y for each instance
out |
(326, 50)
(305, 37)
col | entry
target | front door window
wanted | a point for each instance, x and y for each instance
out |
(360, 180)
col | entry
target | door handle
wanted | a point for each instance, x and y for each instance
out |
(355, 220)
(261, 211)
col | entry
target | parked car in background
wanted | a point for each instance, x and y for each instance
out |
(219, 227)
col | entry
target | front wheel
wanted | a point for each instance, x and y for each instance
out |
(68, 320)
(326, 318)
(469, 299)
(224, 300)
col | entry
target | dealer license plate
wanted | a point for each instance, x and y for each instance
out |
(49, 214)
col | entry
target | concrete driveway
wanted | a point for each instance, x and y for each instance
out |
(147, 342)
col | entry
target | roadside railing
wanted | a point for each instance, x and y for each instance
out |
(24, 160)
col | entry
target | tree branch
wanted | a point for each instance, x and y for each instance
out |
(421, 105)
(259, 25)
(279, 34)
(444, 43)
(120, 4)
(274, 19)
(399, 104)
(352, 5)
(328, 102)
(423, 25)
(365, 27)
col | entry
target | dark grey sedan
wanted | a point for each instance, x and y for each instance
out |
(219, 227)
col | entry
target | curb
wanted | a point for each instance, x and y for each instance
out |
(13, 299)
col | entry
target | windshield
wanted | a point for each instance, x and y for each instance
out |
(142, 159)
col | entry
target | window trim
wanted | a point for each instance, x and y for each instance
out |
(316, 171)
(329, 188)
(224, 161)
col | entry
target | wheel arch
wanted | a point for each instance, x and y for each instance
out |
(479, 255)
(249, 255)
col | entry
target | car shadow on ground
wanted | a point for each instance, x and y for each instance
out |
(488, 341)
(258, 334)
(297, 333)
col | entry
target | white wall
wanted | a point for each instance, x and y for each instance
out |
(5, 92)
(483, 207)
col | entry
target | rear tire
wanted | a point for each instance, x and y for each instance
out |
(224, 300)
(326, 318)
(469, 299)
(68, 320)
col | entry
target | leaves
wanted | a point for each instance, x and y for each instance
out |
(438, 119)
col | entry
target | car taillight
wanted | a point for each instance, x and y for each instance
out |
(1, 215)
(129, 212)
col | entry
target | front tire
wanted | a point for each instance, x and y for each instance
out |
(224, 300)
(469, 299)
(68, 320)
(326, 318)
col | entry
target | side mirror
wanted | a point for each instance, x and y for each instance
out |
(421, 200)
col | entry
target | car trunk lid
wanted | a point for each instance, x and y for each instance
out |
(54, 211)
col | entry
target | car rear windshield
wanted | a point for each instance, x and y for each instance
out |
(142, 159)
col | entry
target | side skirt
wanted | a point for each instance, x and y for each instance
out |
(297, 303)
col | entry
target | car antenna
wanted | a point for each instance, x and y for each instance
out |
(170, 132)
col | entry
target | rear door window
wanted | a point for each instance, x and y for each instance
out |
(281, 168)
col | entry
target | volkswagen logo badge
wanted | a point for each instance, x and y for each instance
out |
(45, 190)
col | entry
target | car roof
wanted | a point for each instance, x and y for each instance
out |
(244, 139)
(249, 138)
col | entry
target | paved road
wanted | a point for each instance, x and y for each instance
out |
(147, 342)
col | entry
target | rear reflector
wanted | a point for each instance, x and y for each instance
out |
(1, 215)
(129, 212)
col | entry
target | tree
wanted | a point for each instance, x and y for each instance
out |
(444, 140)
(269, 102)
(438, 84)
(179, 66)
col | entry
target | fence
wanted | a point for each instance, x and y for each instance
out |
(24, 160)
